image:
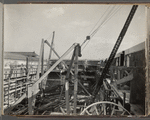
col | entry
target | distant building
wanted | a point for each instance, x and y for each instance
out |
(20, 59)
(26, 54)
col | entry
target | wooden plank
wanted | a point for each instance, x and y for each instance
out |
(126, 68)
(39, 62)
(30, 101)
(50, 54)
(12, 91)
(125, 79)
(85, 76)
(42, 58)
(53, 79)
(84, 88)
(14, 80)
(27, 63)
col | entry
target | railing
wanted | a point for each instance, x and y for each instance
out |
(16, 83)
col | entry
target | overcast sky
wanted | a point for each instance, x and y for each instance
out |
(26, 25)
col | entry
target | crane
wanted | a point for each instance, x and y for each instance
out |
(115, 49)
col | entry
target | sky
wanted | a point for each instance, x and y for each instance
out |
(25, 25)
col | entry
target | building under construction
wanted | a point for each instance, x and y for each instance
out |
(114, 86)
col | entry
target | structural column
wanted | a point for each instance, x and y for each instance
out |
(76, 79)
(67, 85)
(27, 64)
(31, 97)
(50, 54)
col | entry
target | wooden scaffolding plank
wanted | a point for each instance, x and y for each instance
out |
(125, 79)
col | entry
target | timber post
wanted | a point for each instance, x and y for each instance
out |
(133, 88)
(76, 78)
(27, 65)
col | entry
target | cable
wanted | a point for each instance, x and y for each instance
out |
(85, 45)
(83, 42)
(107, 20)
(106, 17)
(97, 23)
(112, 14)
(99, 20)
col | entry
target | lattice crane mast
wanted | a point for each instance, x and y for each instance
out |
(114, 51)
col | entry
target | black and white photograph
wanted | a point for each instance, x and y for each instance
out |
(74, 60)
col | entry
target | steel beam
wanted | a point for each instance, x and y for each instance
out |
(125, 79)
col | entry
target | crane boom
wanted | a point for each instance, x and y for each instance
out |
(115, 49)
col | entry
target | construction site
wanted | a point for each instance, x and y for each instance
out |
(114, 86)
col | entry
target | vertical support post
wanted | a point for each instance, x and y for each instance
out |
(39, 63)
(133, 88)
(42, 59)
(67, 84)
(118, 74)
(124, 99)
(122, 58)
(111, 74)
(67, 96)
(125, 62)
(15, 91)
(8, 90)
(31, 98)
(27, 64)
(76, 78)
(30, 101)
(50, 54)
